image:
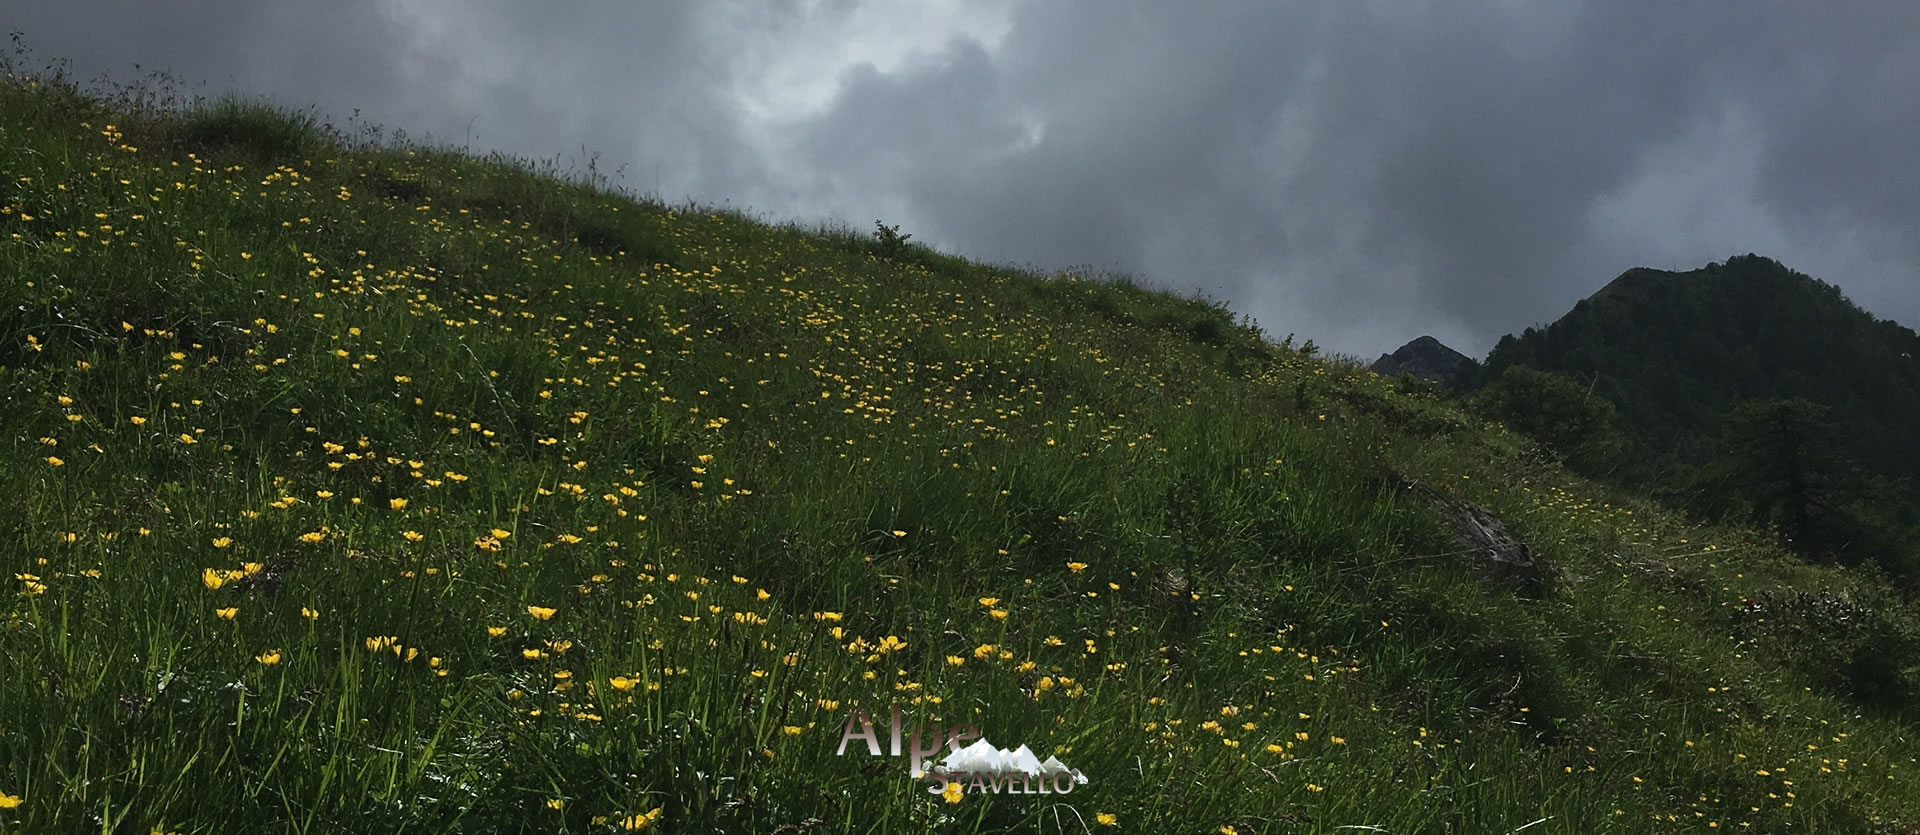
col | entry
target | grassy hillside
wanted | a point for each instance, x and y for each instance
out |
(367, 489)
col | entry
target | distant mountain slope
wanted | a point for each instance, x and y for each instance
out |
(1675, 351)
(1424, 357)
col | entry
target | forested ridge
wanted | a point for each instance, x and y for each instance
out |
(1695, 385)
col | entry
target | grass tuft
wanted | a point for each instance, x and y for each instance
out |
(255, 129)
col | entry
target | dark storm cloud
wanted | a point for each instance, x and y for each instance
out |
(642, 84)
(1355, 172)
(1366, 173)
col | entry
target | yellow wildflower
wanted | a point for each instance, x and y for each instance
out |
(635, 823)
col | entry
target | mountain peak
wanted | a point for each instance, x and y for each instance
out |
(1424, 357)
(1675, 351)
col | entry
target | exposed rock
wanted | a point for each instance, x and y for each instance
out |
(1425, 357)
(1481, 533)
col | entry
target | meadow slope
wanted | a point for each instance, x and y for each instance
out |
(364, 487)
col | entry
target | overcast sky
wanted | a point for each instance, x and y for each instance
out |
(1355, 171)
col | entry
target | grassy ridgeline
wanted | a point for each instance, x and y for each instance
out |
(367, 487)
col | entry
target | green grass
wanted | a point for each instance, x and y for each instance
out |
(386, 404)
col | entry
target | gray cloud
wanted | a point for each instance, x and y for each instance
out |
(1359, 173)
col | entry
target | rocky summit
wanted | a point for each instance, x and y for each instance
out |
(1425, 357)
